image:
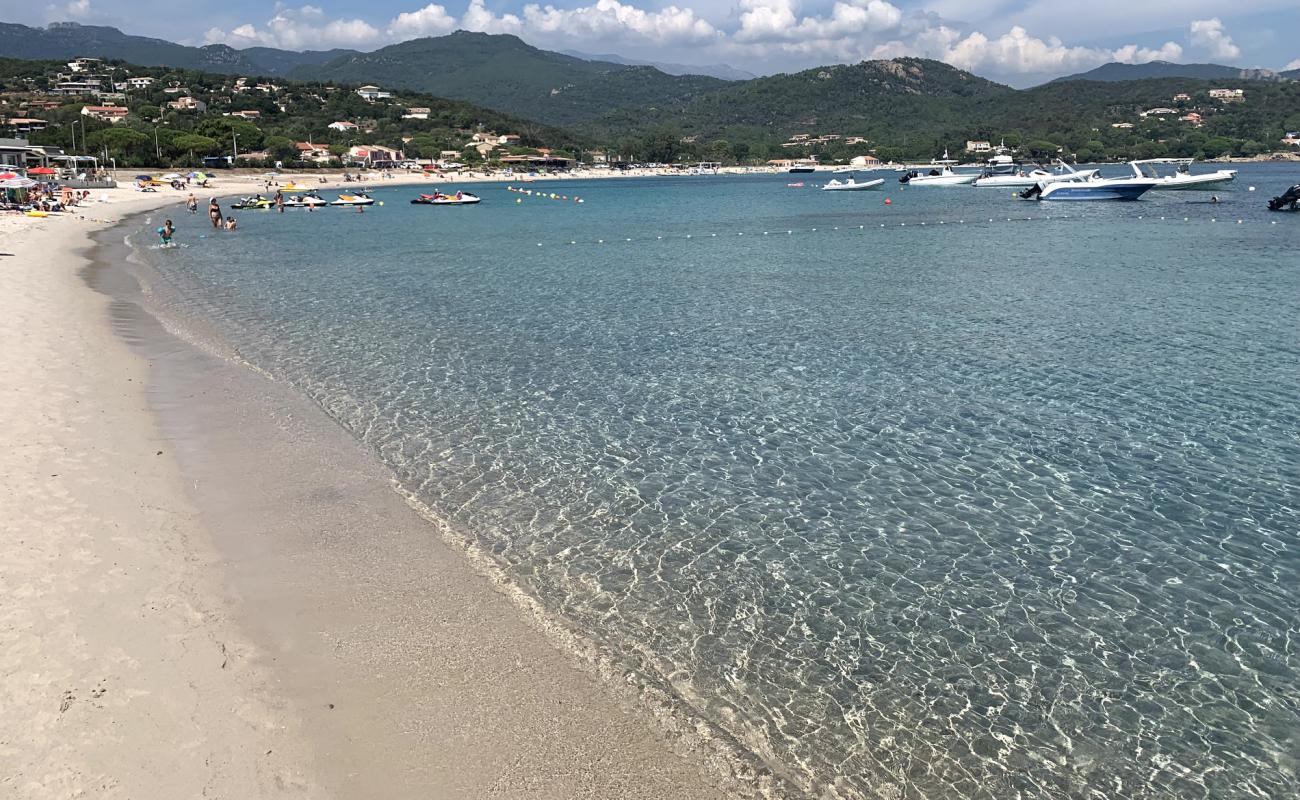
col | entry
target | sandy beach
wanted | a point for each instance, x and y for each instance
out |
(211, 590)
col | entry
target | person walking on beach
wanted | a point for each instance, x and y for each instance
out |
(214, 213)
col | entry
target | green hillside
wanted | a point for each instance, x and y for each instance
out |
(68, 40)
(1116, 71)
(504, 73)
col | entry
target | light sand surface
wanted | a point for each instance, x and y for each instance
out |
(209, 590)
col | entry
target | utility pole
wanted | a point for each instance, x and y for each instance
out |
(157, 151)
(234, 148)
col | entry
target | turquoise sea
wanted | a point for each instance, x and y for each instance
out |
(959, 497)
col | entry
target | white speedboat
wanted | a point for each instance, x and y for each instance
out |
(303, 201)
(358, 199)
(1182, 177)
(851, 185)
(1020, 179)
(939, 176)
(1093, 189)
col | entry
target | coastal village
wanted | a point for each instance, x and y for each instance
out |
(216, 122)
(128, 115)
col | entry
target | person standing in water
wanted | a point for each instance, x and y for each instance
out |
(192, 204)
(165, 233)
(214, 213)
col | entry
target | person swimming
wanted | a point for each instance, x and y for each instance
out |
(165, 233)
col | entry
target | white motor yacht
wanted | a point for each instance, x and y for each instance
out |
(1182, 177)
(1020, 179)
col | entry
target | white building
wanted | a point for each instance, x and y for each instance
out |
(84, 64)
(139, 83)
(978, 146)
(1228, 95)
(372, 93)
(346, 127)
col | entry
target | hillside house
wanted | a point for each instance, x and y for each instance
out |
(343, 127)
(417, 112)
(315, 153)
(865, 162)
(85, 64)
(978, 146)
(23, 125)
(372, 93)
(1292, 139)
(247, 114)
(371, 154)
(138, 84)
(1158, 112)
(1122, 125)
(188, 104)
(1192, 118)
(79, 88)
(1228, 95)
(1182, 97)
(109, 114)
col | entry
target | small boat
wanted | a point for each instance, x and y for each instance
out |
(440, 199)
(253, 201)
(851, 185)
(1287, 201)
(1019, 179)
(1182, 178)
(358, 199)
(798, 185)
(802, 168)
(1093, 189)
(939, 176)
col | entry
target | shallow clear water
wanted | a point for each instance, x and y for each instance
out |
(981, 509)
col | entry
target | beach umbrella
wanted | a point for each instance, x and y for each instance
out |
(40, 171)
(144, 177)
(4, 176)
(199, 175)
(171, 176)
(17, 183)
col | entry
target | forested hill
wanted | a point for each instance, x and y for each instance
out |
(68, 40)
(503, 72)
(1116, 71)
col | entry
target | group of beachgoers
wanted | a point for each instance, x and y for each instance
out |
(220, 223)
(46, 197)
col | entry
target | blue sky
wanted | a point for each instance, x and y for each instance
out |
(1016, 41)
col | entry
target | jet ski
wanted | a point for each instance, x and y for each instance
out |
(254, 201)
(358, 199)
(440, 199)
(1287, 201)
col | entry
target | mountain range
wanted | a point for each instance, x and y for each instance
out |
(900, 100)
(1116, 71)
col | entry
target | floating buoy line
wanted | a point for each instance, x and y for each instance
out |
(876, 226)
(542, 195)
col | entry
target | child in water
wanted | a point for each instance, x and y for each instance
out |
(230, 223)
(165, 233)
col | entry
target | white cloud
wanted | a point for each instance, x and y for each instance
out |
(1293, 65)
(302, 28)
(1209, 34)
(611, 19)
(774, 20)
(74, 10)
(1132, 54)
(432, 20)
(477, 17)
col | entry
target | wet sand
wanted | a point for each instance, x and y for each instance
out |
(212, 590)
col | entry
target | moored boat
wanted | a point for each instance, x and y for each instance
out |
(1093, 189)
(440, 199)
(851, 185)
(1182, 177)
(1020, 179)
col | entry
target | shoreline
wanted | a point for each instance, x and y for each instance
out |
(404, 671)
